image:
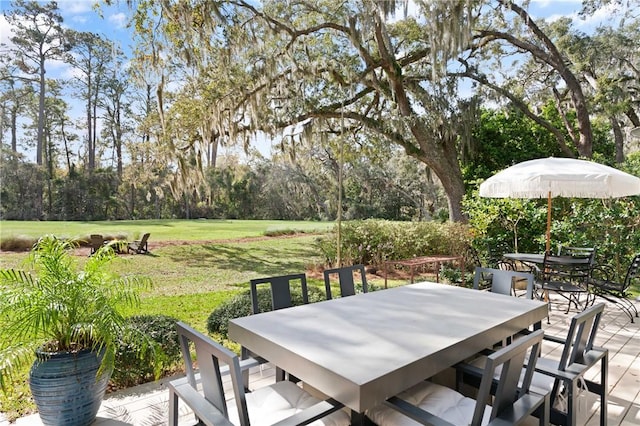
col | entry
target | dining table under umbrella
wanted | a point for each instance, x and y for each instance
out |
(559, 177)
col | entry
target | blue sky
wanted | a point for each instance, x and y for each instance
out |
(81, 16)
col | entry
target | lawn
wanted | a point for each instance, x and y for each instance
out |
(190, 280)
(161, 230)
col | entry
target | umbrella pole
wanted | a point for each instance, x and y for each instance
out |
(549, 222)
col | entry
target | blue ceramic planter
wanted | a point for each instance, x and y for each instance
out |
(65, 388)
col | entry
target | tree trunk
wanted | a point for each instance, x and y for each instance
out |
(41, 97)
(618, 138)
(14, 123)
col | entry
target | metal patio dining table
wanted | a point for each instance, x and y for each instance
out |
(363, 349)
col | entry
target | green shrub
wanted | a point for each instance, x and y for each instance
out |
(281, 232)
(240, 306)
(158, 357)
(371, 242)
(17, 243)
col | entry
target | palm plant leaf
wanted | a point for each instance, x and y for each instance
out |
(58, 306)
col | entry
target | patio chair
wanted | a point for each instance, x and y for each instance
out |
(432, 404)
(472, 259)
(567, 276)
(603, 284)
(575, 251)
(96, 241)
(506, 282)
(204, 393)
(280, 287)
(563, 377)
(345, 280)
(281, 297)
(139, 246)
(503, 281)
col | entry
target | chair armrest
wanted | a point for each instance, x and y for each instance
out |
(415, 413)
(523, 407)
(554, 339)
(603, 272)
(202, 408)
(311, 414)
(245, 364)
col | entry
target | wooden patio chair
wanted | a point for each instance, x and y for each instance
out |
(280, 288)
(96, 241)
(563, 377)
(279, 403)
(139, 246)
(428, 403)
(345, 280)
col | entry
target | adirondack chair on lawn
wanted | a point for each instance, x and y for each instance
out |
(139, 246)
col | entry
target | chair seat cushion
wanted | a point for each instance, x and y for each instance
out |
(270, 404)
(438, 400)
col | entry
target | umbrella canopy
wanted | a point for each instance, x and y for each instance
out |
(559, 177)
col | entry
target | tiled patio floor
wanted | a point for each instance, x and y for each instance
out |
(147, 405)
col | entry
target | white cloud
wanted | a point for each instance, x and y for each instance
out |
(81, 19)
(5, 31)
(554, 3)
(75, 6)
(119, 19)
(608, 14)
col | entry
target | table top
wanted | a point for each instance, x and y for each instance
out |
(525, 257)
(366, 348)
(539, 258)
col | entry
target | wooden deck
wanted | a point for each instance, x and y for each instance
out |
(147, 405)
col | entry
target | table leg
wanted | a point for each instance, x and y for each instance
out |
(359, 419)
(386, 271)
(437, 272)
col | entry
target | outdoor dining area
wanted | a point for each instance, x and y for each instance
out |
(427, 352)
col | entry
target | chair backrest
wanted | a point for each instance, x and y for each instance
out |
(345, 280)
(573, 269)
(509, 361)
(502, 280)
(581, 336)
(143, 240)
(633, 272)
(95, 242)
(471, 257)
(210, 355)
(575, 251)
(280, 291)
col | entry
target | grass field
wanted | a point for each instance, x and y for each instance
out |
(161, 230)
(195, 271)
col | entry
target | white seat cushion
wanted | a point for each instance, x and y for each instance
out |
(270, 404)
(438, 400)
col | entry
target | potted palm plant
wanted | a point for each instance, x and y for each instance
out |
(64, 319)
